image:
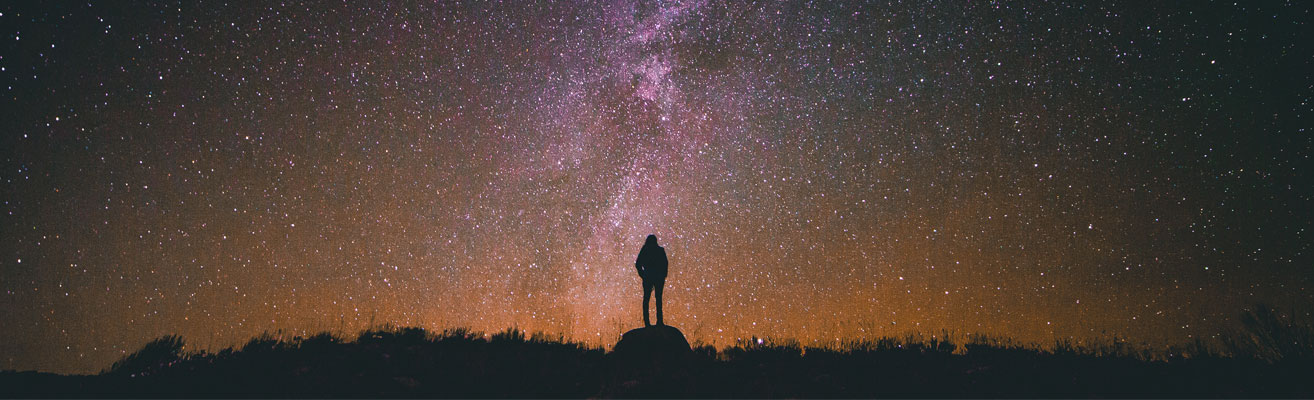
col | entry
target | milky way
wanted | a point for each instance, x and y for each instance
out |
(818, 172)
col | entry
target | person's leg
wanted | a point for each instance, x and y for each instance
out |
(659, 286)
(647, 293)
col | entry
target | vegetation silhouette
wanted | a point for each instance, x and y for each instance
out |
(1270, 356)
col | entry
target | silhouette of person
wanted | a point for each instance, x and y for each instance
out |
(651, 264)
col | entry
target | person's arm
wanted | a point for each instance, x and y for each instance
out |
(638, 263)
(664, 261)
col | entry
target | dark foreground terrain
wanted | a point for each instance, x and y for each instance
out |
(411, 362)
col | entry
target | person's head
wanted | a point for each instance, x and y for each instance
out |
(652, 241)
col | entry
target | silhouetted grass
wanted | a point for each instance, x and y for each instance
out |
(159, 353)
(1270, 357)
(1271, 334)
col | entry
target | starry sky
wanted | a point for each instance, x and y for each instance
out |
(816, 171)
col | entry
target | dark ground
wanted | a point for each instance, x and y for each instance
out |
(410, 362)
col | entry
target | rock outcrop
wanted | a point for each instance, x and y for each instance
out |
(653, 361)
(657, 342)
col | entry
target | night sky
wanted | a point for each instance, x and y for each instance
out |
(818, 172)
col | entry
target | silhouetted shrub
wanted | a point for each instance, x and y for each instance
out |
(159, 353)
(509, 335)
(263, 343)
(544, 338)
(706, 351)
(320, 340)
(459, 334)
(757, 349)
(1270, 334)
(395, 336)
